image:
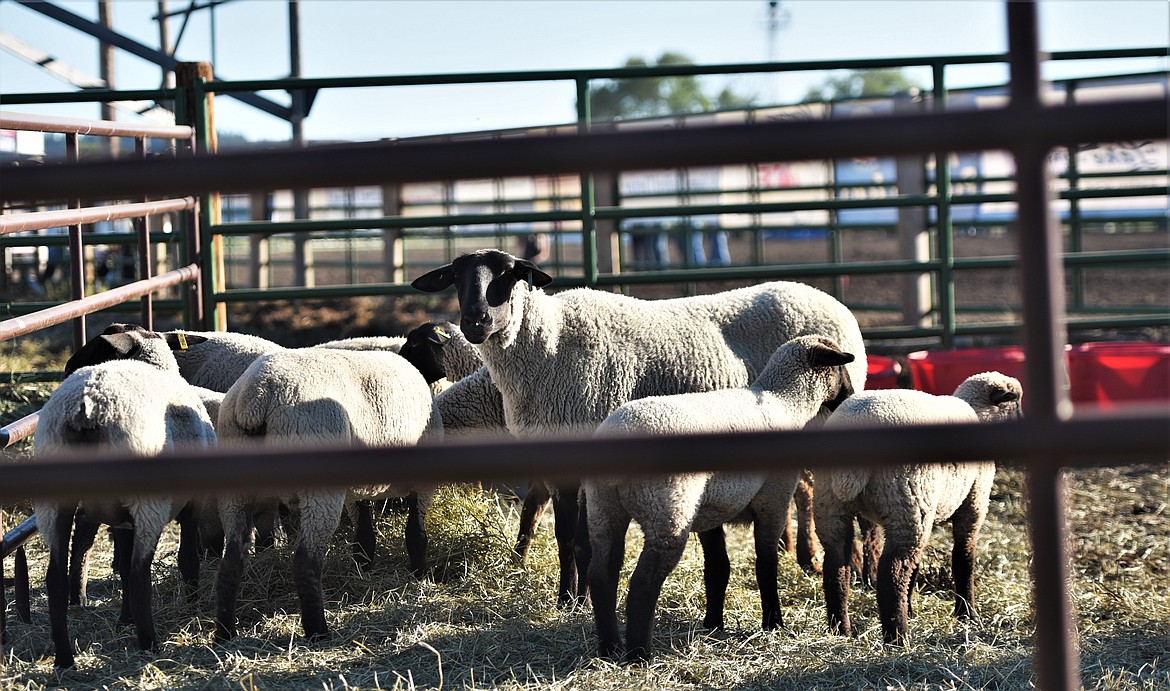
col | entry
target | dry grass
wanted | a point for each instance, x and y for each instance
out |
(482, 621)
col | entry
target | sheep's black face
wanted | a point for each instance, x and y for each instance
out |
(483, 281)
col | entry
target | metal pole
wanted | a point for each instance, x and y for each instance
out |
(302, 250)
(1056, 660)
(106, 61)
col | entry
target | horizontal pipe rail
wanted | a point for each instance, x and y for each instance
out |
(1084, 440)
(21, 429)
(385, 162)
(10, 120)
(19, 535)
(19, 326)
(38, 220)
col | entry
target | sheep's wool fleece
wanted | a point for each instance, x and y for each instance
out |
(126, 405)
(567, 361)
(219, 361)
(323, 397)
(902, 407)
(472, 406)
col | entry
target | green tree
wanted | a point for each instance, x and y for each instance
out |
(856, 83)
(657, 96)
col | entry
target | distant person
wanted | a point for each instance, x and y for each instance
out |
(535, 247)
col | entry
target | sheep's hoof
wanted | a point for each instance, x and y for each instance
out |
(713, 624)
(223, 634)
(637, 656)
(63, 660)
(317, 636)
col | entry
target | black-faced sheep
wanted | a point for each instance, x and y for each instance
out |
(803, 376)
(563, 363)
(141, 406)
(317, 396)
(907, 500)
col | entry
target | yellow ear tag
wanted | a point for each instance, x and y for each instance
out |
(182, 341)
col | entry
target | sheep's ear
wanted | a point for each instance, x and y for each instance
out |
(438, 335)
(527, 271)
(106, 347)
(177, 340)
(821, 355)
(1000, 396)
(435, 280)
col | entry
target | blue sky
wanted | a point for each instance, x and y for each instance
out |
(371, 37)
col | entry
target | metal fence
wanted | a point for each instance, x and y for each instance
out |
(1044, 443)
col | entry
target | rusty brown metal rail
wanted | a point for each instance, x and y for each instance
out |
(1082, 441)
(37, 220)
(19, 326)
(21, 429)
(10, 120)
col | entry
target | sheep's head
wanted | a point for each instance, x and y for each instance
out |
(993, 396)
(126, 342)
(424, 349)
(484, 281)
(825, 355)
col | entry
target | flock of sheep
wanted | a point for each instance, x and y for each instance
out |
(775, 356)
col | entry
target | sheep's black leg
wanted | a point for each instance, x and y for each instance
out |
(416, 535)
(565, 513)
(84, 533)
(20, 585)
(807, 550)
(654, 565)
(534, 504)
(965, 528)
(582, 551)
(320, 515)
(716, 575)
(608, 536)
(871, 549)
(210, 531)
(189, 552)
(899, 560)
(57, 579)
(835, 531)
(235, 519)
(767, 543)
(141, 557)
(3, 597)
(123, 549)
(364, 539)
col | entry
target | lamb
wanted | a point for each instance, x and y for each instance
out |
(907, 500)
(563, 363)
(316, 396)
(802, 376)
(140, 406)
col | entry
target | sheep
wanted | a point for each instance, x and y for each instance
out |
(215, 359)
(316, 396)
(141, 406)
(802, 376)
(907, 500)
(563, 363)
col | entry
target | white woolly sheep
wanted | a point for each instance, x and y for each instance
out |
(313, 396)
(907, 500)
(563, 363)
(141, 406)
(803, 376)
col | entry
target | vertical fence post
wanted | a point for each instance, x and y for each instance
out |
(1056, 658)
(200, 113)
(393, 254)
(145, 266)
(913, 236)
(944, 228)
(76, 252)
(258, 256)
(588, 230)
